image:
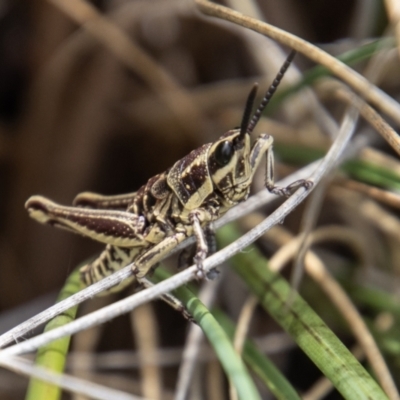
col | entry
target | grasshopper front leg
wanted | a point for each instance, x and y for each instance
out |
(202, 246)
(156, 253)
(281, 191)
(187, 255)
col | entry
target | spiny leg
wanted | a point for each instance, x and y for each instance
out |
(118, 228)
(155, 254)
(269, 179)
(187, 255)
(170, 300)
(202, 248)
(209, 233)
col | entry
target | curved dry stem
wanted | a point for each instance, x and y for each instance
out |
(269, 57)
(380, 217)
(393, 14)
(384, 196)
(328, 233)
(316, 269)
(243, 322)
(376, 96)
(314, 205)
(308, 223)
(370, 115)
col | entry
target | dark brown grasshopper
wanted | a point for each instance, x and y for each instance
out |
(142, 227)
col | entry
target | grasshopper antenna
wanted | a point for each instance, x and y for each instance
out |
(270, 92)
(247, 111)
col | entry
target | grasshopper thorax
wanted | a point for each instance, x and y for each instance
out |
(223, 166)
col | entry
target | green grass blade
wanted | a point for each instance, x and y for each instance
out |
(258, 362)
(373, 174)
(266, 370)
(53, 356)
(219, 340)
(302, 324)
(376, 299)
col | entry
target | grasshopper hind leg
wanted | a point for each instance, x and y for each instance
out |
(170, 300)
(201, 244)
(119, 228)
(110, 260)
(99, 201)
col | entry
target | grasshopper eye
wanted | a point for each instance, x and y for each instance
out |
(223, 153)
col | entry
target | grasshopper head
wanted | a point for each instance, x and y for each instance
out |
(232, 160)
(229, 165)
(228, 160)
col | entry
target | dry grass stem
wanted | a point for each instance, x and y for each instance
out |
(145, 329)
(383, 196)
(380, 217)
(370, 115)
(83, 362)
(393, 14)
(308, 222)
(269, 56)
(215, 382)
(360, 84)
(243, 323)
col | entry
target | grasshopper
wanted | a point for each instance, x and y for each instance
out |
(143, 226)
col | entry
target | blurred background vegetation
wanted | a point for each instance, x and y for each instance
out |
(79, 112)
